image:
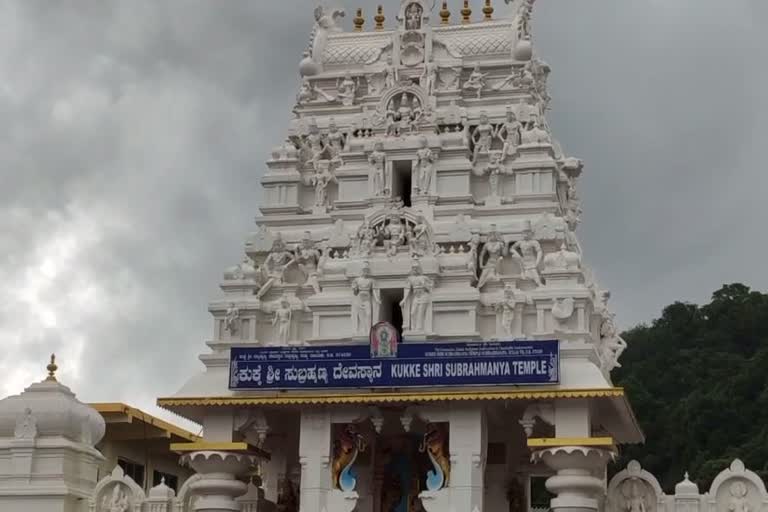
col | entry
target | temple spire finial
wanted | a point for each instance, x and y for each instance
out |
(379, 18)
(359, 21)
(488, 10)
(466, 13)
(52, 369)
(445, 13)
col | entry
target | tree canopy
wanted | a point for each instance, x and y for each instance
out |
(697, 378)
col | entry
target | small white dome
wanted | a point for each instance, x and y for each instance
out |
(686, 487)
(48, 409)
(161, 491)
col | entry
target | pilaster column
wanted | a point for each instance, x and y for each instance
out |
(314, 457)
(578, 481)
(218, 486)
(467, 441)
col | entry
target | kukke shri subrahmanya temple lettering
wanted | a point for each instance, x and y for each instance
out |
(412, 327)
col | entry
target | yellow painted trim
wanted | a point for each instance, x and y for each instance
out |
(387, 397)
(569, 441)
(138, 414)
(202, 446)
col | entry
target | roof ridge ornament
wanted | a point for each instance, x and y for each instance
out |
(52, 369)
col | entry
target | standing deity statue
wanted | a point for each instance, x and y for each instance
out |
(309, 92)
(393, 119)
(417, 297)
(482, 137)
(509, 133)
(472, 255)
(232, 319)
(420, 243)
(415, 116)
(512, 79)
(390, 74)
(314, 143)
(425, 167)
(476, 81)
(413, 17)
(282, 320)
(494, 170)
(308, 259)
(334, 141)
(278, 260)
(365, 239)
(378, 162)
(527, 252)
(393, 234)
(506, 310)
(320, 180)
(494, 249)
(365, 291)
(347, 90)
(404, 111)
(428, 78)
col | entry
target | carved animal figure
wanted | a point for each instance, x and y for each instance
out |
(435, 446)
(346, 450)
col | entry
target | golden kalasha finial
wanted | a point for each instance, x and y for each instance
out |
(488, 10)
(466, 12)
(379, 18)
(359, 21)
(445, 14)
(52, 368)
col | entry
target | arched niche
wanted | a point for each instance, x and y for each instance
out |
(634, 489)
(737, 489)
(117, 489)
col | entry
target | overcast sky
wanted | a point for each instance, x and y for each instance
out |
(133, 135)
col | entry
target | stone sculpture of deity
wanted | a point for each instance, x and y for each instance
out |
(278, 260)
(378, 162)
(281, 319)
(393, 234)
(417, 297)
(308, 257)
(527, 252)
(232, 319)
(482, 137)
(634, 501)
(347, 89)
(428, 78)
(510, 133)
(494, 249)
(334, 141)
(320, 180)
(476, 81)
(415, 115)
(390, 74)
(365, 291)
(419, 239)
(365, 239)
(117, 502)
(506, 310)
(425, 167)
(738, 501)
(413, 17)
(314, 143)
(494, 170)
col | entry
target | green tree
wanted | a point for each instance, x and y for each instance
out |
(697, 378)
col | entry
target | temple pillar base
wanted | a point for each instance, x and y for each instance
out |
(436, 501)
(579, 479)
(340, 501)
(218, 486)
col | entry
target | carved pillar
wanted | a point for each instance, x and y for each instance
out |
(314, 457)
(467, 440)
(218, 486)
(579, 480)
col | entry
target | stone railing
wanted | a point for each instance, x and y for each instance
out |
(735, 489)
(118, 491)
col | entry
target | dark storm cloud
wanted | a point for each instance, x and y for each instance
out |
(134, 134)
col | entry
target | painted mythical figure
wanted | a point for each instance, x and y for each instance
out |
(345, 451)
(436, 447)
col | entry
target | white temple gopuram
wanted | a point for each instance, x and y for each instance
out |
(412, 326)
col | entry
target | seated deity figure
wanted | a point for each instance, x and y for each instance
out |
(527, 252)
(117, 502)
(634, 501)
(334, 140)
(320, 180)
(425, 167)
(429, 78)
(347, 89)
(232, 319)
(482, 137)
(494, 170)
(413, 17)
(529, 135)
(282, 320)
(476, 81)
(365, 239)
(393, 235)
(308, 257)
(540, 132)
(278, 260)
(365, 291)
(404, 110)
(417, 297)
(419, 239)
(509, 133)
(494, 249)
(738, 501)
(378, 162)
(309, 92)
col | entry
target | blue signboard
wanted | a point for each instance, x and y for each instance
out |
(395, 365)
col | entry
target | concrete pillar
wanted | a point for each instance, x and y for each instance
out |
(218, 486)
(467, 440)
(578, 482)
(314, 457)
